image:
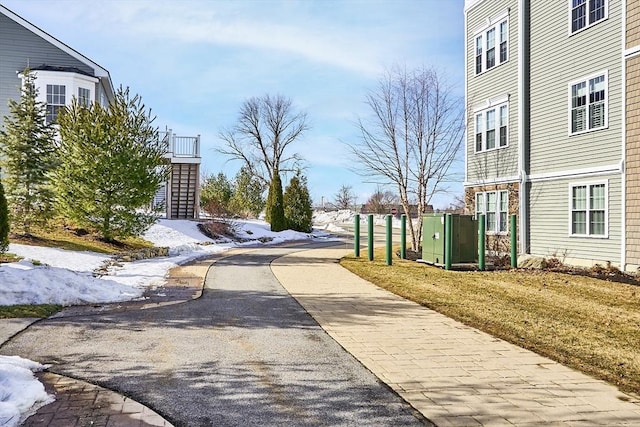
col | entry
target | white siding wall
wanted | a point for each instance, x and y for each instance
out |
(498, 81)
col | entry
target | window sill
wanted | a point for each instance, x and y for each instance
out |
(489, 69)
(588, 236)
(589, 130)
(491, 149)
(572, 33)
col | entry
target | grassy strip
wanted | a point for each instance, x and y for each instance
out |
(588, 324)
(42, 311)
(58, 236)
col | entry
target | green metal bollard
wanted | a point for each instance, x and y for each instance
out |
(481, 236)
(389, 248)
(356, 235)
(370, 236)
(514, 239)
(403, 236)
(448, 241)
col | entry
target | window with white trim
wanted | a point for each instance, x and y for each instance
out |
(55, 101)
(492, 128)
(585, 13)
(589, 209)
(588, 103)
(491, 46)
(495, 207)
(84, 97)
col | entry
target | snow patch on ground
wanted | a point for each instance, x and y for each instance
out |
(57, 276)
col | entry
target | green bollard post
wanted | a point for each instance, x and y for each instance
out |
(356, 235)
(514, 239)
(403, 236)
(389, 241)
(481, 236)
(370, 236)
(448, 241)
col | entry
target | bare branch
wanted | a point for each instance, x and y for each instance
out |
(411, 138)
(265, 128)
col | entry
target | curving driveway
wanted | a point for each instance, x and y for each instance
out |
(245, 353)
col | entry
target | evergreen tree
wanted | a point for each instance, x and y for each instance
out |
(275, 206)
(297, 204)
(247, 200)
(215, 194)
(27, 158)
(4, 221)
(112, 164)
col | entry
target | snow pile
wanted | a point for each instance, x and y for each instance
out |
(332, 221)
(333, 217)
(21, 394)
(260, 230)
(57, 276)
(26, 283)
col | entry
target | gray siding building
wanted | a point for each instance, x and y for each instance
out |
(62, 73)
(565, 83)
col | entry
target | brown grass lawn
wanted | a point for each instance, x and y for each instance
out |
(589, 324)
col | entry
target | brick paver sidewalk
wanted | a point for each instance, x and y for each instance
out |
(82, 404)
(451, 373)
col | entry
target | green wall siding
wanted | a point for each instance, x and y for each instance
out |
(558, 58)
(499, 81)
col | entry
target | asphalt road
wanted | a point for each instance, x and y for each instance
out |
(245, 353)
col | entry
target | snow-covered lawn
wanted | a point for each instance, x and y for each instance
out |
(56, 276)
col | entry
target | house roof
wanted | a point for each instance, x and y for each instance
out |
(100, 72)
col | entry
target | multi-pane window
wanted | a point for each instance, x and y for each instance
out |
(587, 12)
(588, 100)
(588, 209)
(492, 128)
(495, 207)
(84, 97)
(491, 47)
(503, 41)
(479, 54)
(55, 101)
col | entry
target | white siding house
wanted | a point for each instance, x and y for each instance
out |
(62, 73)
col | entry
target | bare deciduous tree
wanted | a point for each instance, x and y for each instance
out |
(344, 198)
(412, 137)
(380, 202)
(266, 127)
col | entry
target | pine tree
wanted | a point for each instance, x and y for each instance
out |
(297, 204)
(112, 164)
(215, 194)
(28, 157)
(4, 221)
(275, 208)
(247, 200)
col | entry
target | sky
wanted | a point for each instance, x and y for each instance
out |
(195, 62)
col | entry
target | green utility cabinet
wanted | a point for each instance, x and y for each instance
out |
(464, 238)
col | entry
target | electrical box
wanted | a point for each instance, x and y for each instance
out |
(464, 238)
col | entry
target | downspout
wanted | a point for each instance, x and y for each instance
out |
(523, 101)
(623, 166)
(466, 71)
